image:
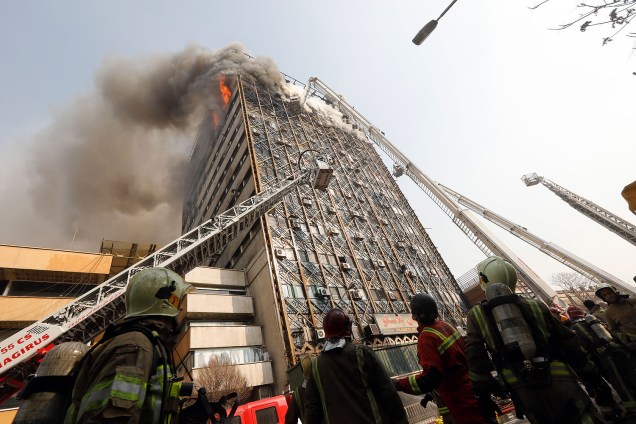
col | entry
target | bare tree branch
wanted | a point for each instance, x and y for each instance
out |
(620, 14)
(575, 286)
(221, 377)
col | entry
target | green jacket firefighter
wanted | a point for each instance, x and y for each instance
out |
(129, 378)
(530, 351)
(348, 384)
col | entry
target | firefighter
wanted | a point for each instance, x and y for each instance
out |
(440, 351)
(620, 314)
(531, 352)
(296, 405)
(129, 377)
(348, 384)
(612, 359)
(595, 309)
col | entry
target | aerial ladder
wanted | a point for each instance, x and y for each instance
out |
(472, 227)
(588, 208)
(87, 316)
(553, 250)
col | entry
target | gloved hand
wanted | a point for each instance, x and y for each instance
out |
(426, 399)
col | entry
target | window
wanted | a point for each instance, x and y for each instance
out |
(267, 416)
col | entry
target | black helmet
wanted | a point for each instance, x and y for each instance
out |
(424, 308)
(589, 303)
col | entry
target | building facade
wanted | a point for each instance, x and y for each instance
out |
(358, 246)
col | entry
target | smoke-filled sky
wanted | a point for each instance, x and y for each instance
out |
(100, 101)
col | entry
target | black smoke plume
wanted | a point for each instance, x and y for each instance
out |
(111, 165)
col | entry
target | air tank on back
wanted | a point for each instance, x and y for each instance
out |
(512, 326)
(598, 328)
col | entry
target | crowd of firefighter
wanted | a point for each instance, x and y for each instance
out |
(555, 365)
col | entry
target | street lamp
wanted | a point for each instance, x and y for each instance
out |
(429, 27)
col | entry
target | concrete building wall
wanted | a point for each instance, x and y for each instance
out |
(216, 278)
(219, 307)
(224, 336)
(18, 312)
(39, 259)
(262, 290)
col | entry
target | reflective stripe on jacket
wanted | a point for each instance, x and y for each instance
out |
(118, 381)
(540, 332)
(365, 385)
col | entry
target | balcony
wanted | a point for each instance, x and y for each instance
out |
(218, 278)
(219, 307)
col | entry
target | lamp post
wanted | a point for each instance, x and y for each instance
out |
(429, 27)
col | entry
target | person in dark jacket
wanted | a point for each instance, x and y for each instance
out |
(348, 384)
(440, 351)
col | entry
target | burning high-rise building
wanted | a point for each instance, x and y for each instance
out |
(358, 245)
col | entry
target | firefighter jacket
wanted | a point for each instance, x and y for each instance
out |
(124, 380)
(621, 320)
(440, 352)
(613, 360)
(555, 343)
(349, 385)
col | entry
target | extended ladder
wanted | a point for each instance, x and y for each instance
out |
(87, 316)
(475, 230)
(588, 208)
(553, 250)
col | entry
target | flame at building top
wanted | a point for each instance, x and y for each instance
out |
(226, 94)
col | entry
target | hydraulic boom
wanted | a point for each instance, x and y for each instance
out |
(553, 250)
(87, 316)
(475, 230)
(588, 208)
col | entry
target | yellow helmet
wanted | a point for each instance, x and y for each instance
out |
(496, 270)
(155, 292)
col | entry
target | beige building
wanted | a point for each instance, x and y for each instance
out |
(220, 324)
(36, 282)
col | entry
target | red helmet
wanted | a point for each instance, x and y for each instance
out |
(337, 324)
(575, 312)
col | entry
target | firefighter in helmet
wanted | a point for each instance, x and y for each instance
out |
(440, 351)
(613, 360)
(530, 351)
(347, 383)
(129, 377)
(620, 314)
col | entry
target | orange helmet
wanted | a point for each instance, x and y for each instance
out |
(336, 324)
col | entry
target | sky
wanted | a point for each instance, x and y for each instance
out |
(491, 95)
